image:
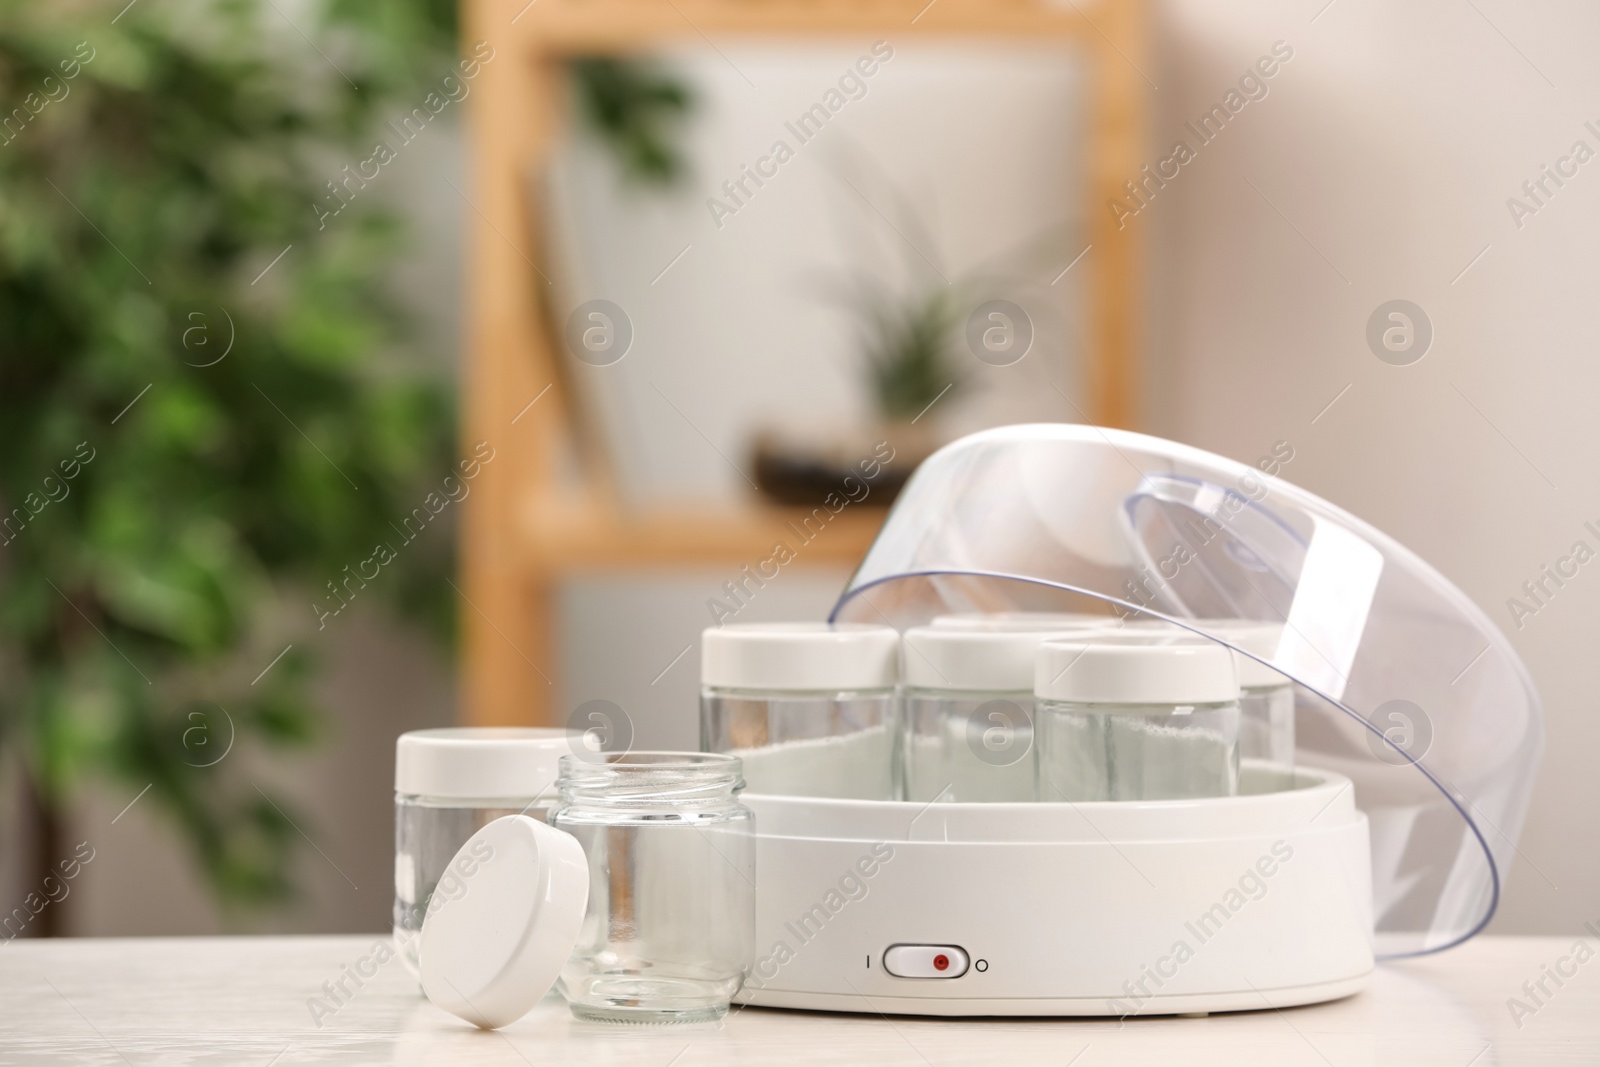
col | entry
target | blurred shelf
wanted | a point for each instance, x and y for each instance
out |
(524, 527)
(565, 536)
(584, 26)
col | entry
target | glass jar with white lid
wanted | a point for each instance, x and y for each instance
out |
(1136, 719)
(808, 707)
(448, 784)
(967, 706)
(1266, 696)
(1030, 621)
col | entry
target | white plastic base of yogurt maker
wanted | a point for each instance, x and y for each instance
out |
(1262, 900)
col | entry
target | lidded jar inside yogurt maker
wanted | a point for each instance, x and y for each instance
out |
(966, 724)
(1136, 720)
(809, 707)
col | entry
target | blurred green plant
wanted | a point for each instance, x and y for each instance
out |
(908, 312)
(636, 110)
(906, 309)
(205, 402)
(908, 345)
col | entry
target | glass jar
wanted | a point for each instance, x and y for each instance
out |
(670, 928)
(966, 706)
(449, 784)
(1266, 697)
(809, 707)
(1130, 720)
(1266, 727)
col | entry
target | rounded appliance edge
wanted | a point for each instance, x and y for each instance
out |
(1325, 797)
(1056, 1007)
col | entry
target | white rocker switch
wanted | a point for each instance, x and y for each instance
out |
(925, 961)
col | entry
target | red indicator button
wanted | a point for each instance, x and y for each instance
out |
(926, 961)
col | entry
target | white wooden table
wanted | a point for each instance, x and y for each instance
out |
(246, 1001)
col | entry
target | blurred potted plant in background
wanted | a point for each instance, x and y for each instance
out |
(909, 349)
(203, 404)
(909, 316)
(907, 345)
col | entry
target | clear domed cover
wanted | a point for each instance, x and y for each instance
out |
(1404, 685)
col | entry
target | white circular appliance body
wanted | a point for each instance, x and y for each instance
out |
(1262, 900)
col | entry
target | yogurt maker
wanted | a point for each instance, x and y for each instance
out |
(1417, 730)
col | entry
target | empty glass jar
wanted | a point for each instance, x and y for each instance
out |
(1130, 720)
(670, 929)
(449, 784)
(809, 707)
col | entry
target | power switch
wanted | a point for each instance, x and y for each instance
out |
(925, 961)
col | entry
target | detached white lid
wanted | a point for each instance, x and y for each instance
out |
(481, 762)
(492, 950)
(985, 660)
(800, 656)
(1135, 672)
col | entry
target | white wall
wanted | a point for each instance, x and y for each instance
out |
(1391, 143)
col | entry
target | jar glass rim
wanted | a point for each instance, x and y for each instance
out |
(650, 778)
(651, 761)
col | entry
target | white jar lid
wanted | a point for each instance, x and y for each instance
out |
(1257, 637)
(800, 656)
(1135, 672)
(1023, 621)
(971, 659)
(491, 949)
(481, 762)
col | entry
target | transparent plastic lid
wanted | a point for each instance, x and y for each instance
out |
(1404, 685)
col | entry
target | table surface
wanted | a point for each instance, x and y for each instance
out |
(248, 1000)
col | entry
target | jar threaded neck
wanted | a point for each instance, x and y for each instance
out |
(650, 778)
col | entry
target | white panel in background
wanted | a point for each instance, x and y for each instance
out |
(733, 327)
